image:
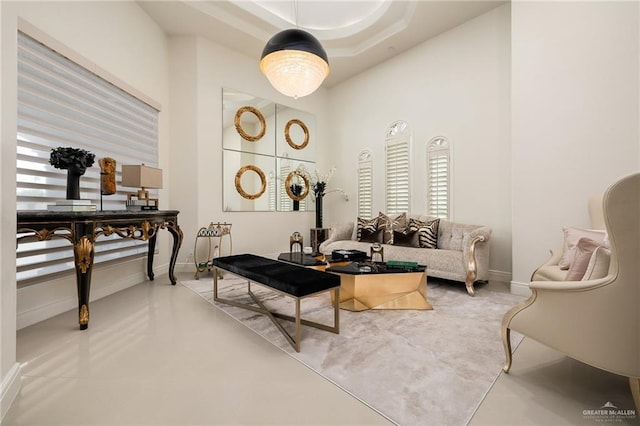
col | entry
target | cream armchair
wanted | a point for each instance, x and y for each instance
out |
(594, 321)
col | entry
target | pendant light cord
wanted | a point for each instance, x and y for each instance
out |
(295, 12)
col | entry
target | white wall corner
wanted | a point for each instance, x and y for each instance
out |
(501, 276)
(10, 388)
(521, 289)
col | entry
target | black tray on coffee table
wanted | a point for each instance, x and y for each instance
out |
(300, 258)
(368, 267)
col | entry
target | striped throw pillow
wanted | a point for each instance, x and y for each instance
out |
(389, 224)
(371, 225)
(427, 232)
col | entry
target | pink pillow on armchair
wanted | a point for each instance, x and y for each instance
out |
(583, 252)
(571, 238)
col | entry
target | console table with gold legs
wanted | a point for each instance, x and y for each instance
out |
(82, 229)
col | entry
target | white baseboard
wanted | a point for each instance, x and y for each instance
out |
(185, 267)
(502, 276)
(10, 388)
(521, 289)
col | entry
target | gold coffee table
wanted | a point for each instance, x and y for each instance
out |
(378, 287)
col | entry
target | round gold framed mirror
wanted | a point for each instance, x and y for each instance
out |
(237, 121)
(305, 134)
(238, 182)
(288, 182)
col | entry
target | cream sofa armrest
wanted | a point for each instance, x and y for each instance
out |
(338, 232)
(481, 234)
(475, 247)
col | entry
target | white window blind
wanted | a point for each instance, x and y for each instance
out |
(61, 104)
(365, 185)
(438, 177)
(397, 168)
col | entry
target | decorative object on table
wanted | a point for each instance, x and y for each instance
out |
(107, 177)
(212, 236)
(143, 177)
(318, 235)
(376, 250)
(294, 62)
(300, 258)
(308, 250)
(348, 255)
(75, 161)
(72, 206)
(295, 240)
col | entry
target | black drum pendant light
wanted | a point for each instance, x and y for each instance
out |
(295, 63)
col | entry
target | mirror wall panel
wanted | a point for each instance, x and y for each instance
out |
(249, 181)
(262, 143)
(287, 177)
(248, 123)
(295, 134)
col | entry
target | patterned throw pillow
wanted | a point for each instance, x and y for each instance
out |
(367, 236)
(388, 225)
(406, 239)
(371, 225)
(427, 232)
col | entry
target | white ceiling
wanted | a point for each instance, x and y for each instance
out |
(356, 34)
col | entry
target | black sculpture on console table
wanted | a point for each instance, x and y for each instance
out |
(75, 161)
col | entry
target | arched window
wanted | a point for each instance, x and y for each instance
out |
(439, 177)
(397, 150)
(365, 185)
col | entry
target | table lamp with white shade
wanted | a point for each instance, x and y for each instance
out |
(143, 177)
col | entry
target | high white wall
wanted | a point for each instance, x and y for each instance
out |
(120, 38)
(574, 116)
(455, 85)
(200, 69)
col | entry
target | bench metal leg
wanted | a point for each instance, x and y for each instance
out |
(261, 308)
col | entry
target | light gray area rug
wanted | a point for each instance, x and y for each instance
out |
(414, 367)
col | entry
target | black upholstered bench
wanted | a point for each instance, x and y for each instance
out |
(291, 280)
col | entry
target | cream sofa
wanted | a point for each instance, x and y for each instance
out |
(462, 252)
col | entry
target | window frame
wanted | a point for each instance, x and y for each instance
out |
(365, 184)
(398, 159)
(439, 155)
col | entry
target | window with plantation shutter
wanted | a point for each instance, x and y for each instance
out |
(271, 189)
(62, 104)
(438, 177)
(397, 150)
(365, 185)
(286, 203)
